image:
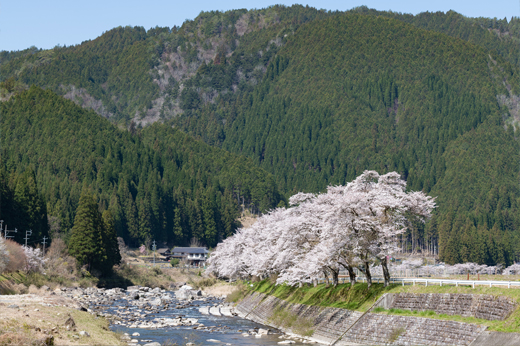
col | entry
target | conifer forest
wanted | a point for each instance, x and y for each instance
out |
(171, 134)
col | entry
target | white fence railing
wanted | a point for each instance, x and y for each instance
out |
(438, 282)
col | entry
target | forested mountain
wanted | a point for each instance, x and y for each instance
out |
(315, 98)
(158, 182)
(354, 92)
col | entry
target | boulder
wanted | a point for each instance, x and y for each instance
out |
(262, 331)
(183, 294)
(156, 302)
(69, 323)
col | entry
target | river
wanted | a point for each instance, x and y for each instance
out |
(227, 330)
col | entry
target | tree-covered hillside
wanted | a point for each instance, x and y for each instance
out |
(357, 92)
(313, 97)
(159, 183)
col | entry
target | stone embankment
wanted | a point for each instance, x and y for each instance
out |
(335, 326)
(483, 306)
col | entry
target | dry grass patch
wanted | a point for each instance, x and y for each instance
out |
(32, 323)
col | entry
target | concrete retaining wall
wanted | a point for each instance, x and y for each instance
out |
(469, 305)
(352, 327)
(497, 339)
(376, 329)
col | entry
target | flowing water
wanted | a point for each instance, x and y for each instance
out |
(227, 330)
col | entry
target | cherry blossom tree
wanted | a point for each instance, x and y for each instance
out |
(34, 258)
(348, 226)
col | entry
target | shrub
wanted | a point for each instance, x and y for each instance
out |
(17, 260)
(59, 263)
(175, 262)
(206, 282)
(157, 271)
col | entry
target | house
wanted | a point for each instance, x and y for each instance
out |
(191, 255)
(164, 252)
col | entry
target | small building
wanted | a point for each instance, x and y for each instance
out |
(196, 256)
(164, 252)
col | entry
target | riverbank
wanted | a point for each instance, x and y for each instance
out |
(47, 318)
(33, 306)
(428, 315)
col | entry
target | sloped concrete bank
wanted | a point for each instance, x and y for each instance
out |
(333, 326)
(483, 306)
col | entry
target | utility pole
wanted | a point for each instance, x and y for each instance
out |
(44, 242)
(27, 235)
(154, 247)
(7, 232)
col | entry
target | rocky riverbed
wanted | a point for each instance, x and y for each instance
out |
(152, 317)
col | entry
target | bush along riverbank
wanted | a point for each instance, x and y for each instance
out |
(380, 315)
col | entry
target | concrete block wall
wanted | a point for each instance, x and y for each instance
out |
(329, 323)
(353, 327)
(248, 304)
(378, 329)
(475, 305)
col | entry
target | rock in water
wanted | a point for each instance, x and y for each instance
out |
(183, 294)
(156, 302)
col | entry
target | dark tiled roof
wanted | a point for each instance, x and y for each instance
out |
(190, 250)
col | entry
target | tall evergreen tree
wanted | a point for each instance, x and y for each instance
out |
(86, 240)
(110, 241)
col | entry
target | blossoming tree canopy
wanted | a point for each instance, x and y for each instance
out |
(346, 227)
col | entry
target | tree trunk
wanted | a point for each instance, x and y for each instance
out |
(315, 282)
(326, 278)
(351, 274)
(334, 275)
(386, 272)
(368, 274)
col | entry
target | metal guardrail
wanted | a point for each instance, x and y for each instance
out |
(439, 282)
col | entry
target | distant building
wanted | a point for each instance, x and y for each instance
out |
(164, 252)
(191, 255)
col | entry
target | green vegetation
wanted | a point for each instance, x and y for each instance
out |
(282, 318)
(361, 299)
(342, 296)
(322, 115)
(313, 97)
(157, 183)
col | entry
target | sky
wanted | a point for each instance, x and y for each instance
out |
(47, 23)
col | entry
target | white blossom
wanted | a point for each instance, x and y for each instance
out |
(347, 226)
(34, 258)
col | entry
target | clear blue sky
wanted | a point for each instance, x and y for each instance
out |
(46, 23)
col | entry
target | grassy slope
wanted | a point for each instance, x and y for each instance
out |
(361, 299)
